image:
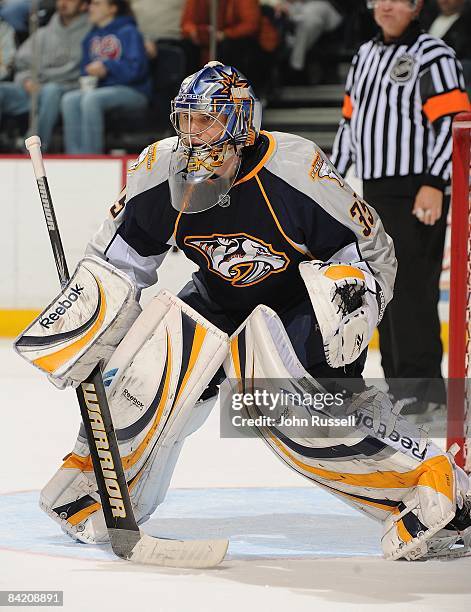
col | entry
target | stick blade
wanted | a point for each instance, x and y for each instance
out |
(178, 553)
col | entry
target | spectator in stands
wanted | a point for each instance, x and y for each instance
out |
(7, 49)
(117, 70)
(158, 21)
(58, 67)
(16, 13)
(238, 23)
(403, 89)
(310, 19)
(450, 20)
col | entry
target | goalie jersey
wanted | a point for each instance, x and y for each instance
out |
(287, 205)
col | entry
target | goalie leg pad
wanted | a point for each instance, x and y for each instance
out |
(83, 325)
(153, 381)
(381, 464)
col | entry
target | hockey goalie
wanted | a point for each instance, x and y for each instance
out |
(294, 273)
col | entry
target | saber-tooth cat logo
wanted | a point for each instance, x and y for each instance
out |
(322, 170)
(240, 259)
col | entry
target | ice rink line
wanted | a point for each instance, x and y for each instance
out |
(259, 522)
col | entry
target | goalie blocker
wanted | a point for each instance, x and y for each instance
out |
(83, 325)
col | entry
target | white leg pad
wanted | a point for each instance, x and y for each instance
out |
(153, 381)
(380, 464)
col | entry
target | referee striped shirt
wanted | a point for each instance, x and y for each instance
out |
(398, 108)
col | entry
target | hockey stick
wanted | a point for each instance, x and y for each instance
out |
(127, 541)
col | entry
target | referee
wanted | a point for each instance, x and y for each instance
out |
(402, 91)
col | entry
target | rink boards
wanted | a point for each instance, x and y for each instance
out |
(83, 190)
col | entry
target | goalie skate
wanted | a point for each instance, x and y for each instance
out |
(454, 540)
(72, 500)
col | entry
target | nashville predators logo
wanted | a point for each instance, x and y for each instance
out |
(239, 258)
(147, 157)
(322, 170)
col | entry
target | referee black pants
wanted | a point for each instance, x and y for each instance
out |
(411, 349)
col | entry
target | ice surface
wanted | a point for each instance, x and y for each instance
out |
(292, 546)
(259, 522)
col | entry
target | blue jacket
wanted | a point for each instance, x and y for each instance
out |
(120, 47)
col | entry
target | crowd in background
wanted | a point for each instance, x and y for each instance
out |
(99, 65)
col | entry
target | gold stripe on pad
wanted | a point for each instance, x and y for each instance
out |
(402, 532)
(77, 462)
(80, 516)
(200, 334)
(134, 457)
(435, 473)
(55, 360)
(236, 360)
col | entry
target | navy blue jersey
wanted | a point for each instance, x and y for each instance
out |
(287, 205)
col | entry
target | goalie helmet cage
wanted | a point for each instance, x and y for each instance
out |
(459, 361)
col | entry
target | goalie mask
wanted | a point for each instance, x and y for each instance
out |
(215, 115)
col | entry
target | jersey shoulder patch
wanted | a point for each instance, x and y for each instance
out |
(146, 158)
(304, 167)
(152, 154)
(151, 167)
(323, 170)
(297, 159)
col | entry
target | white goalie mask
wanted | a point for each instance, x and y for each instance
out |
(215, 115)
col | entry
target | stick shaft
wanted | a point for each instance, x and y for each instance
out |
(33, 145)
(91, 394)
(53, 231)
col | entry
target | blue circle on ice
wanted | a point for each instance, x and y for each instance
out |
(259, 523)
